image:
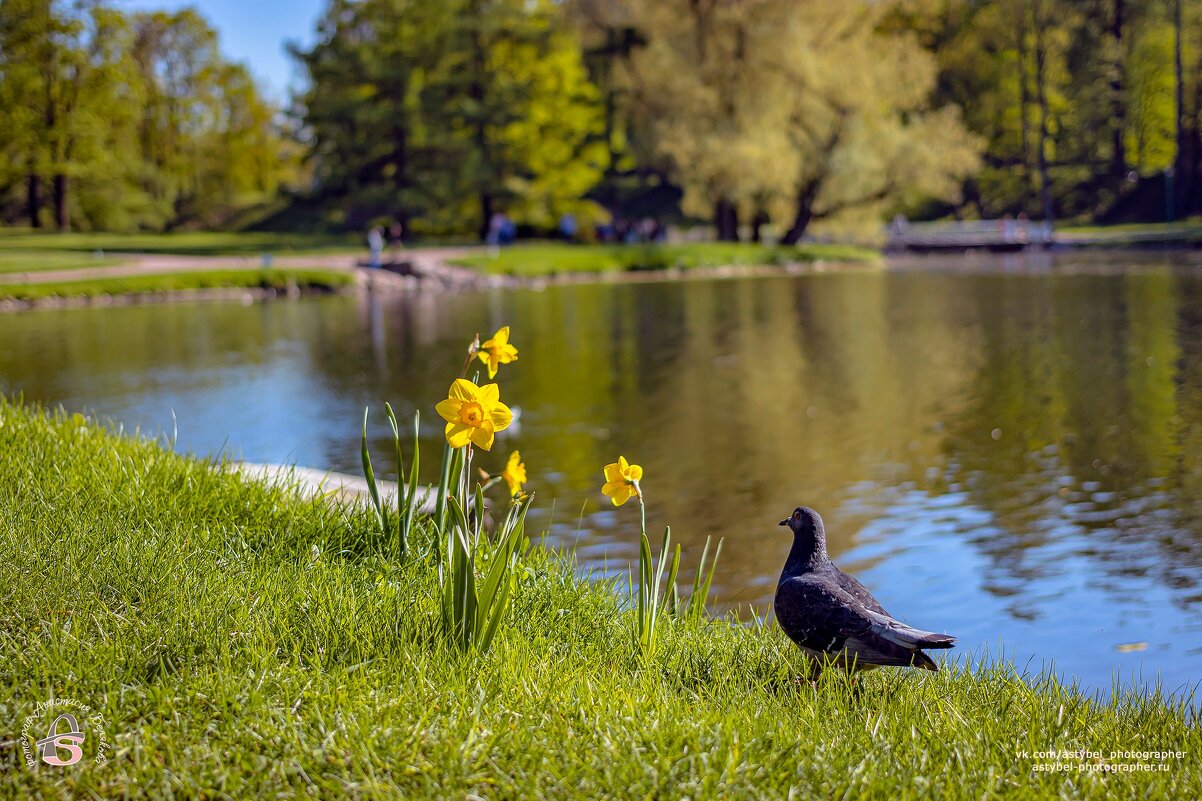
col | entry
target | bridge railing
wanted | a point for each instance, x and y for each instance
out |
(969, 234)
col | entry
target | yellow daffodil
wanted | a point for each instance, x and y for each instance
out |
(497, 351)
(622, 481)
(514, 473)
(473, 414)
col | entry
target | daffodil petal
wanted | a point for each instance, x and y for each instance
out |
(635, 473)
(463, 390)
(483, 437)
(489, 357)
(507, 354)
(612, 487)
(449, 409)
(623, 465)
(622, 495)
(488, 395)
(613, 473)
(500, 416)
(514, 459)
(458, 434)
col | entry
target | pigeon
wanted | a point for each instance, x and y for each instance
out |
(833, 618)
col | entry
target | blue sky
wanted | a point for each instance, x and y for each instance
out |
(253, 32)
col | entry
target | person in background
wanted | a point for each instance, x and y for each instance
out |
(375, 245)
(496, 223)
(567, 227)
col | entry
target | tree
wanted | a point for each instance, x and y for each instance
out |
(208, 140)
(756, 108)
(128, 121)
(419, 107)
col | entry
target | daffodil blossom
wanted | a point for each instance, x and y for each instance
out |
(514, 473)
(497, 351)
(473, 414)
(622, 481)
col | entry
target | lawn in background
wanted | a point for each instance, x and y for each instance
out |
(279, 279)
(547, 258)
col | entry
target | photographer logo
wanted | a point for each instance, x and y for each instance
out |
(69, 728)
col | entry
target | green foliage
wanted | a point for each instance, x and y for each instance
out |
(408, 500)
(756, 109)
(120, 121)
(472, 610)
(439, 114)
(702, 581)
(652, 597)
(1070, 97)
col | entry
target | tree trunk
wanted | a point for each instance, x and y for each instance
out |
(477, 92)
(1024, 96)
(1041, 96)
(486, 212)
(757, 223)
(804, 214)
(33, 200)
(62, 215)
(726, 221)
(1118, 117)
(1180, 164)
(401, 177)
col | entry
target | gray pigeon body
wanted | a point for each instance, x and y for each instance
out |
(833, 618)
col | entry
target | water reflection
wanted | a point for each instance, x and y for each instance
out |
(1011, 454)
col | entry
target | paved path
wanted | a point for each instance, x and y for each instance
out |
(422, 260)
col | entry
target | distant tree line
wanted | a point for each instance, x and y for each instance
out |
(1088, 108)
(756, 116)
(122, 121)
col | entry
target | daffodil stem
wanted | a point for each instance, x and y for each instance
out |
(448, 456)
(472, 350)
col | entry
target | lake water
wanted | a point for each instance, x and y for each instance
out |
(1009, 450)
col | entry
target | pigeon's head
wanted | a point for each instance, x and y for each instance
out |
(806, 522)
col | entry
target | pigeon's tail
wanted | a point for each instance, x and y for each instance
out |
(907, 636)
(921, 660)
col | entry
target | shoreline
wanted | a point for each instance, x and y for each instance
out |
(423, 275)
(428, 270)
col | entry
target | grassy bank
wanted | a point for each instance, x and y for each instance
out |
(547, 258)
(24, 261)
(1183, 233)
(186, 243)
(277, 279)
(243, 643)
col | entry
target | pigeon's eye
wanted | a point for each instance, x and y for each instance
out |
(797, 515)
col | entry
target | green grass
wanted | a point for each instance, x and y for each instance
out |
(548, 258)
(27, 261)
(243, 643)
(1182, 232)
(189, 243)
(173, 282)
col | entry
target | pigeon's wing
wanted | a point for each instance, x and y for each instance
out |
(821, 616)
(858, 591)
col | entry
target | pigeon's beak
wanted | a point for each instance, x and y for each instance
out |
(785, 522)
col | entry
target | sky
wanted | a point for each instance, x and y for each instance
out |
(253, 32)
